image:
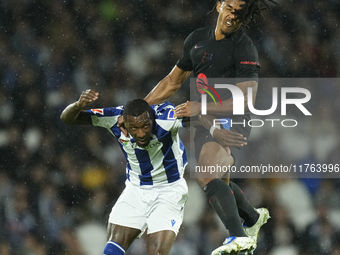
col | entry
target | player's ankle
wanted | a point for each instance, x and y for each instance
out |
(251, 221)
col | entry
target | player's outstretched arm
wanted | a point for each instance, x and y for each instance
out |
(194, 108)
(167, 86)
(227, 105)
(224, 137)
(73, 113)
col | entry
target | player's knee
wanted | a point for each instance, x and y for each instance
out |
(158, 250)
(202, 182)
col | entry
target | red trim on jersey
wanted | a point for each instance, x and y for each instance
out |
(101, 111)
(249, 63)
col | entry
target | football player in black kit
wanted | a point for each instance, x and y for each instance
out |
(223, 51)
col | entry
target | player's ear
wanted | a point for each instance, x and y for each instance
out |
(218, 6)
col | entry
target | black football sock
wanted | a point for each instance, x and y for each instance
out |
(245, 209)
(223, 201)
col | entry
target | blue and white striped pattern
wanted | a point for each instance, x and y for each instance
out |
(163, 160)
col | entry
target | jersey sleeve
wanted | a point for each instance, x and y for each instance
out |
(166, 117)
(246, 60)
(184, 61)
(105, 117)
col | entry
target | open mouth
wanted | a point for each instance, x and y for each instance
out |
(229, 23)
(143, 142)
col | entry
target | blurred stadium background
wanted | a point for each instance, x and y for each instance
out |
(58, 183)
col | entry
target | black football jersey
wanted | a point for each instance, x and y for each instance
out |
(234, 56)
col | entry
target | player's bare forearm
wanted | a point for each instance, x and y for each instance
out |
(206, 121)
(224, 137)
(198, 120)
(70, 113)
(221, 110)
(163, 90)
(167, 86)
(73, 113)
(227, 105)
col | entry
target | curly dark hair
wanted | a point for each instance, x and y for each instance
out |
(250, 11)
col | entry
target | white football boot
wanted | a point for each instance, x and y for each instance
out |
(236, 246)
(253, 232)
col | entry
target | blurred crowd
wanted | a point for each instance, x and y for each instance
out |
(58, 183)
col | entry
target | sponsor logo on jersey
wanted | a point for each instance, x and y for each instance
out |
(250, 63)
(100, 111)
(198, 46)
(172, 114)
(151, 145)
(207, 57)
(123, 142)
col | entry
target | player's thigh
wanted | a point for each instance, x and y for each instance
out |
(128, 214)
(213, 155)
(159, 243)
(166, 217)
(124, 236)
(167, 211)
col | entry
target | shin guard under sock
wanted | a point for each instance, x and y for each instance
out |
(245, 209)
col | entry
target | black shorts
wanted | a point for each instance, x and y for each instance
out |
(202, 136)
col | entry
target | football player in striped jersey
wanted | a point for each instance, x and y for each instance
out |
(155, 192)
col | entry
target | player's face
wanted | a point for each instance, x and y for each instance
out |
(140, 128)
(227, 21)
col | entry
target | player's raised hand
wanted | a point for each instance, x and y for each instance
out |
(229, 138)
(188, 109)
(120, 124)
(87, 97)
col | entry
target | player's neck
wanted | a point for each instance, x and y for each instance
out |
(219, 34)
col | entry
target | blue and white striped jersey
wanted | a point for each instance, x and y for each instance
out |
(163, 160)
